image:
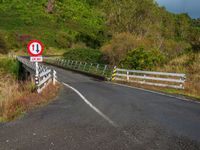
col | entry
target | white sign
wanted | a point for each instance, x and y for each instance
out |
(36, 59)
(35, 48)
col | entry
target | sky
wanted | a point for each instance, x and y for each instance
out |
(192, 7)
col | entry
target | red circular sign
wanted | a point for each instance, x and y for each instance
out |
(35, 48)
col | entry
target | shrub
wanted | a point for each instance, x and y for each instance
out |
(3, 45)
(173, 48)
(78, 45)
(189, 64)
(9, 66)
(117, 48)
(87, 55)
(141, 59)
(64, 40)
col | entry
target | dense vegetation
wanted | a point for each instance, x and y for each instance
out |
(115, 27)
(86, 55)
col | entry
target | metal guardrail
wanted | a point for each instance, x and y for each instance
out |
(162, 79)
(92, 68)
(45, 77)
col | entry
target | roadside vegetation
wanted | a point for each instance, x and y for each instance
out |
(190, 65)
(18, 97)
(130, 34)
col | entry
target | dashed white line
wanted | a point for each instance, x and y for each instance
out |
(92, 106)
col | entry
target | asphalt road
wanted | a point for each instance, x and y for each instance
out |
(94, 115)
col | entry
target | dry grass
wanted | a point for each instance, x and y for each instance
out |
(17, 98)
(189, 64)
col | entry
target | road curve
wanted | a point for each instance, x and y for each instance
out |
(94, 115)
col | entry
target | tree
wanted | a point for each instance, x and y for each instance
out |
(130, 15)
(183, 25)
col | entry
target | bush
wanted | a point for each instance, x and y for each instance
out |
(9, 66)
(64, 40)
(117, 48)
(3, 45)
(173, 48)
(87, 55)
(141, 59)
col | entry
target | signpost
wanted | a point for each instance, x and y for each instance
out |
(35, 50)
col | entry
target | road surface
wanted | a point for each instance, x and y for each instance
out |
(94, 115)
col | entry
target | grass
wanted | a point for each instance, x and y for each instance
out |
(190, 65)
(9, 65)
(16, 98)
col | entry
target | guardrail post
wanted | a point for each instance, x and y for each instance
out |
(84, 66)
(114, 73)
(127, 76)
(90, 67)
(63, 62)
(182, 84)
(144, 79)
(71, 65)
(79, 65)
(75, 65)
(68, 62)
(104, 70)
(54, 77)
(97, 67)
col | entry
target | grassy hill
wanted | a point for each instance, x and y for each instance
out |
(131, 34)
(71, 23)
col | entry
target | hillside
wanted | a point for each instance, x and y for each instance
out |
(24, 20)
(129, 33)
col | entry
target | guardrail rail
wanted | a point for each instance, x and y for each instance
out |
(162, 79)
(92, 68)
(46, 75)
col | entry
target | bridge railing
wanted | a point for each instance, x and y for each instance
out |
(162, 79)
(45, 77)
(92, 68)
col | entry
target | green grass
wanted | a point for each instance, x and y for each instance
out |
(181, 92)
(84, 55)
(21, 18)
(10, 66)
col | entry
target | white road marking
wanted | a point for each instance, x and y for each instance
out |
(92, 106)
(159, 93)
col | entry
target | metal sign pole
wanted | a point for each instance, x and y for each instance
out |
(36, 69)
(36, 74)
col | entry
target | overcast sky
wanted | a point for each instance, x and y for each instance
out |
(192, 7)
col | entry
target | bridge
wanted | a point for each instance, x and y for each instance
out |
(90, 113)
